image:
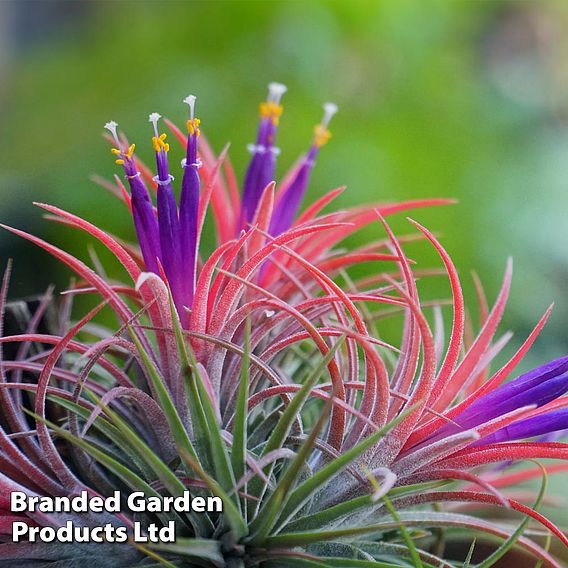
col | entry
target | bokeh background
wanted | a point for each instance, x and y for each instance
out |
(464, 99)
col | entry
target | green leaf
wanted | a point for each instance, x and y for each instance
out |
(346, 562)
(222, 465)
(268, 515)
(284, 425)
(469, 556)
(546, 547)
(336, 512)
(512, 540)
(303, 492)
(164, 473)
(201, 522)
(409, 542)
(290, 540)
(179, 432)
(327, 516)
(111, 432)
(206, 424)
(381, 550)
(121, 471)
(240, 432)
(230, 510)
(291, 412)
(201, 434)
(327, 562)
(194, 548)
(161, 560)
(290, 562)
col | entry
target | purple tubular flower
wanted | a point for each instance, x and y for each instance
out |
(145, 221)
(289, 203)
(539, 386)
(267, 162)
(168, 221)
(542, 425)
(189, 209)
(260, 171)
(168, 243)
(536, 387)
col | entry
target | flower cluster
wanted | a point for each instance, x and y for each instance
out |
(169, 238)
(258, 373)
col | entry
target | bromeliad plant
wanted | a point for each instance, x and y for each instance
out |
(257, 374)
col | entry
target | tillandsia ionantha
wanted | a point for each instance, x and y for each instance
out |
(257, 373)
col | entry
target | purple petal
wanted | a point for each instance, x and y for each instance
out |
(539, 386)
(289, 204)
(189, 208)
(145, 222)
(536, 387)
(170, 239)
(250, 197)
(537, 426)
(260, 171)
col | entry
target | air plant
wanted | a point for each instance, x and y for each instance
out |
(256, 373)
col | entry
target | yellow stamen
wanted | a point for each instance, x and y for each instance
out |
(119, 162)
(193, 126)
(115, 151)
(159, 144)
(130, 151)
(321, 135)
(272, 111)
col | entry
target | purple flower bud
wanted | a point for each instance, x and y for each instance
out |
(188, 211)
(168, 221)
(536, 387)
(542, 425)
(260, 171)
(289, 203)
(145, 222)
(539, 386)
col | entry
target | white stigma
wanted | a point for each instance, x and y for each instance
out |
(112, 126)
(329, 109)
(190, 101)
(153, 118)
(275, 92)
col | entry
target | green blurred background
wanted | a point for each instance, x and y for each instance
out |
(453, 99)
(438, 99)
